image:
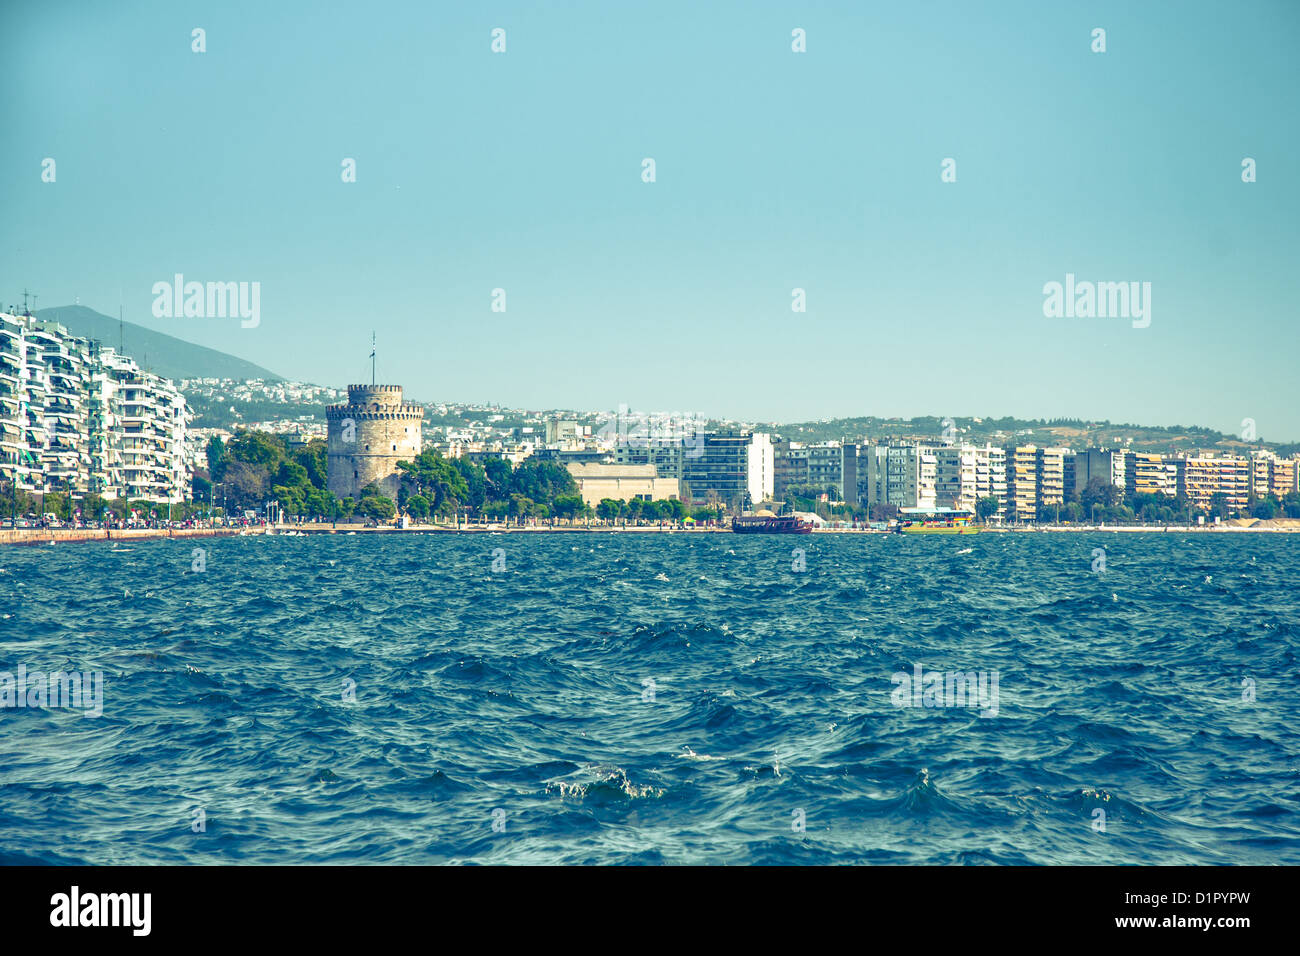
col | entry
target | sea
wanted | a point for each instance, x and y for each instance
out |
(654, 698)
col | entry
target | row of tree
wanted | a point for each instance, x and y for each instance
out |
(89, 506)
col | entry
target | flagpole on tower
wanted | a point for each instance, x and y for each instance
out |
(372, 358)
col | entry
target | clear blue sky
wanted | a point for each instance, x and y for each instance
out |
(775, 170)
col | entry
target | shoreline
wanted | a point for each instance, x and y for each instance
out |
(39, 536)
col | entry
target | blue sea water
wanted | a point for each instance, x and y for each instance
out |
(660, 698)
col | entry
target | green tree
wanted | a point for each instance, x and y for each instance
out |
(436, 479)
(542, 480)
(256, 448)
(417, 506)
(1265, 509)
(521, 507)
(376, 506)
(497, 472)
(216, 453)
(568, 506)
(476, 483)
(1098, 492)
(314, 458)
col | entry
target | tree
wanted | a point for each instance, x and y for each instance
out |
(542, 480)
(497, 473)
(880, 511)
(476, 483)
(608, 509)
(1098, 491)
(245, 484)
(378, 507)
(521, 506)
(319, 502)
(985, 507)
(417, 506)
(568, 506)
(436, 479)
(1266, 509)
(706, 514)
(290, 498)
(256, 448)
(314, 458)
(291, 474)
(216, 452)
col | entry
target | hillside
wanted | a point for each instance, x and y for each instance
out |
(163, 354)
(1174, 439)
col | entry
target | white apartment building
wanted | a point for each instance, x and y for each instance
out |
(76, 417)
(965, 473)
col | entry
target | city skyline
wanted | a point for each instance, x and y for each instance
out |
(523, 171)
(1247, 433)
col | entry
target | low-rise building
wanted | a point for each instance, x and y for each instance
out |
(621, 482)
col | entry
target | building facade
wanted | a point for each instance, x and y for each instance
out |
(621, 482)
(367, 437)
(734, 468)
(79, 418)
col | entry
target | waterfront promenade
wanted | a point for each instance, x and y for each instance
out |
(45, 536)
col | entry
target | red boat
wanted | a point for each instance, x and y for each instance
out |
(770, 524)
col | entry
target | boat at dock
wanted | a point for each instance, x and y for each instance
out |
(935, 521)
(770, 524)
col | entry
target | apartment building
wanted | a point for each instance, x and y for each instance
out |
(789, 466)
(77, 417)
(1284, 477)
(1022, 483)
(1145, 474)
(955, 484)
(1271, 476)
(1205, 476)
(991, 477)
(904, 475)
(1103, 464)
(667, 455)
(1050, 475)
(734, 468)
